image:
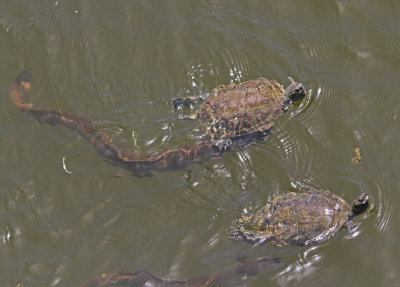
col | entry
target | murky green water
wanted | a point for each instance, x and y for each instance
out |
(122, 62)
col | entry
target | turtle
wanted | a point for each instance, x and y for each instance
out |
(231, 114)
(298, 219)
(237, 112)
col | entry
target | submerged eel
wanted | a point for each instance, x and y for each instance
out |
(142, 278)
(103, 144)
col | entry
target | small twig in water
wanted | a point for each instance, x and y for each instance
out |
(65, 167)
(134, 137)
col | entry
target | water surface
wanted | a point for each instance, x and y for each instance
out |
(122, 63)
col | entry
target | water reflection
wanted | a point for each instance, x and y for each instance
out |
(245, 165)
(385, 210)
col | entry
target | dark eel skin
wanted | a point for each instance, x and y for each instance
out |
(103, 144)
(219, 278)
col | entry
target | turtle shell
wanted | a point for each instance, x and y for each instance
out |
(294, 219)
(235, 110)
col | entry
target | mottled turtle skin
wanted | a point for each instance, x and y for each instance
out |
(235, 111)
(298, 219)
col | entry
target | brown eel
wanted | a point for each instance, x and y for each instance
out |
(237, 272)
(103, 144)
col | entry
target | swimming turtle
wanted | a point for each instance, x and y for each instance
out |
(236, 113)
(298, 219)
(231, 114)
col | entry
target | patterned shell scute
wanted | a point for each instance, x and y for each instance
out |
(295, 219)
(238, 109)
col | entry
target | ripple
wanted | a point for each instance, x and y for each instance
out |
(304, 266)
(385, 209)
(295, 139)
(235, 67)
(316, 54)
(245, 168)
(313, 121)
(383, 200)
(5, 233)
(377, 181)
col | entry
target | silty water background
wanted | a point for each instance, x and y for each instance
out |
(121, 63)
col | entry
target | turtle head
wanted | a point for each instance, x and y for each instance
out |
(360, 204)
(295, 92)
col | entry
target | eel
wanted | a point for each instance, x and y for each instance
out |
(112, 153)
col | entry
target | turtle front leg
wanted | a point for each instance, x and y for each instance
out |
(352, 228)
(188, 117)
(223, 144)
(188, 102)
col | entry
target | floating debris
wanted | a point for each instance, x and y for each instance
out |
(65, 167)
(135, 137)
(357, 158)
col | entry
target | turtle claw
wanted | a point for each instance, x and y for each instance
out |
(350, 225)
(180, 103)
(223, 144)
(189, 117)
(189, 102)
(260, 241)
(352, 229)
